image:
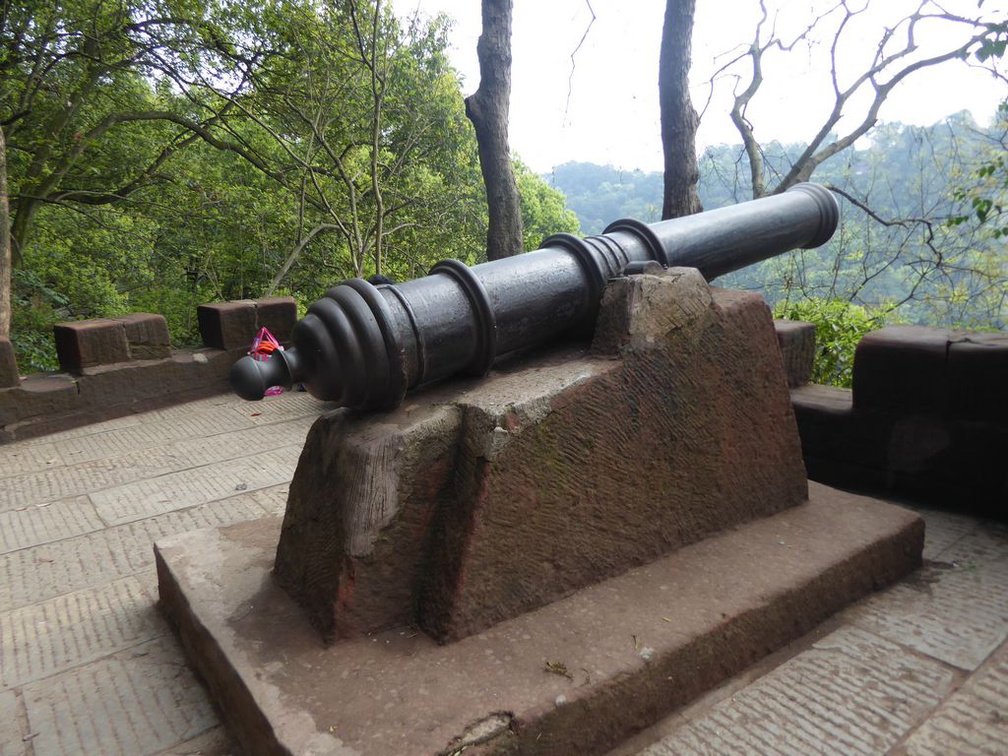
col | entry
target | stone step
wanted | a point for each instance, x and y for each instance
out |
(576, 676)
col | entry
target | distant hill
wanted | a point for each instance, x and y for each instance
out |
(600, 194)
(905, 172)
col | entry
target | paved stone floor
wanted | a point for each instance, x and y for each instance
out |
(87, 666)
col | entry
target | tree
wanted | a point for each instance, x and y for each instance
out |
(76, 93)
(897, 57)
(170, 152)
(367, 131)
(679, 119)
(5, 247)
(83, 125)
(894, 247)
(487, 108)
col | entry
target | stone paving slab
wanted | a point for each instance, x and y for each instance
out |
(154, 496)
(956, 607)
(852, 693)
(137, 702)
(272, 409)
(52, 636)
(199, 424)
(216, 742)
(11, 743)
(136, 466)
(21, 459)
(974, 720)
(985, 548)
(48, 521)
(114, 424)
(946, 529)
(952, 613)
(43, 572)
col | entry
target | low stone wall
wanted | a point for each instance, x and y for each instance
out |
(927, 417)
(796, 339)
(112, 367)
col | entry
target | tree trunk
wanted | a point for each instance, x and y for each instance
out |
(5, 245)
(679, 119)
(487, 108)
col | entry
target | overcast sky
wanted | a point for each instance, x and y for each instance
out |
(611, 115)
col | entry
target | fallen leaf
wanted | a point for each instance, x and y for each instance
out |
(558, 668)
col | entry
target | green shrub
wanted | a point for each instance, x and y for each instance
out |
(35, 308)
(839, 327)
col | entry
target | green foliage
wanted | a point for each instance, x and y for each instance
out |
(166, 153)
(601, 194)
(35, 308)
(985, 193)
(544, 209)
(839, 327)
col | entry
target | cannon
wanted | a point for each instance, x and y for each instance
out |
(365, 346)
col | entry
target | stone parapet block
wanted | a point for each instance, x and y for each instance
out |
(227, 325)
(8, 364)
(278, 314)
(931, 457)
(233, 325)
(902, 368)
(797, 341)
(146, 335)
(87, 343)
(37, 395)
(977, 377)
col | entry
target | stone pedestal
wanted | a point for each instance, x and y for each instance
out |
(86, 343)
(469, 506)
(575, 677)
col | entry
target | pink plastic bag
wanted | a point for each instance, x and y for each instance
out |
(263, 345)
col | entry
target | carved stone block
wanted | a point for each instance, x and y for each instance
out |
(476, 502)
(87, 343)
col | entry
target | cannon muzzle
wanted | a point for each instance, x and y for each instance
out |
(364, 346)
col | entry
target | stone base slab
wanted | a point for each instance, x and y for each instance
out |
(576, 676)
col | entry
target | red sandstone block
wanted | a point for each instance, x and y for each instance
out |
(797, 343)
(278, 314)
(831, 430)
(978, 377)
(38, 395)
(227, 325)
(146, 335)
(86, 343)
(480, 503)
(902, 368)
(8, 364)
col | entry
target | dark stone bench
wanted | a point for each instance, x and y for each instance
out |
(927, 417)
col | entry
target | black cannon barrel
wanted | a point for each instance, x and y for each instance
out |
(364, 346)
